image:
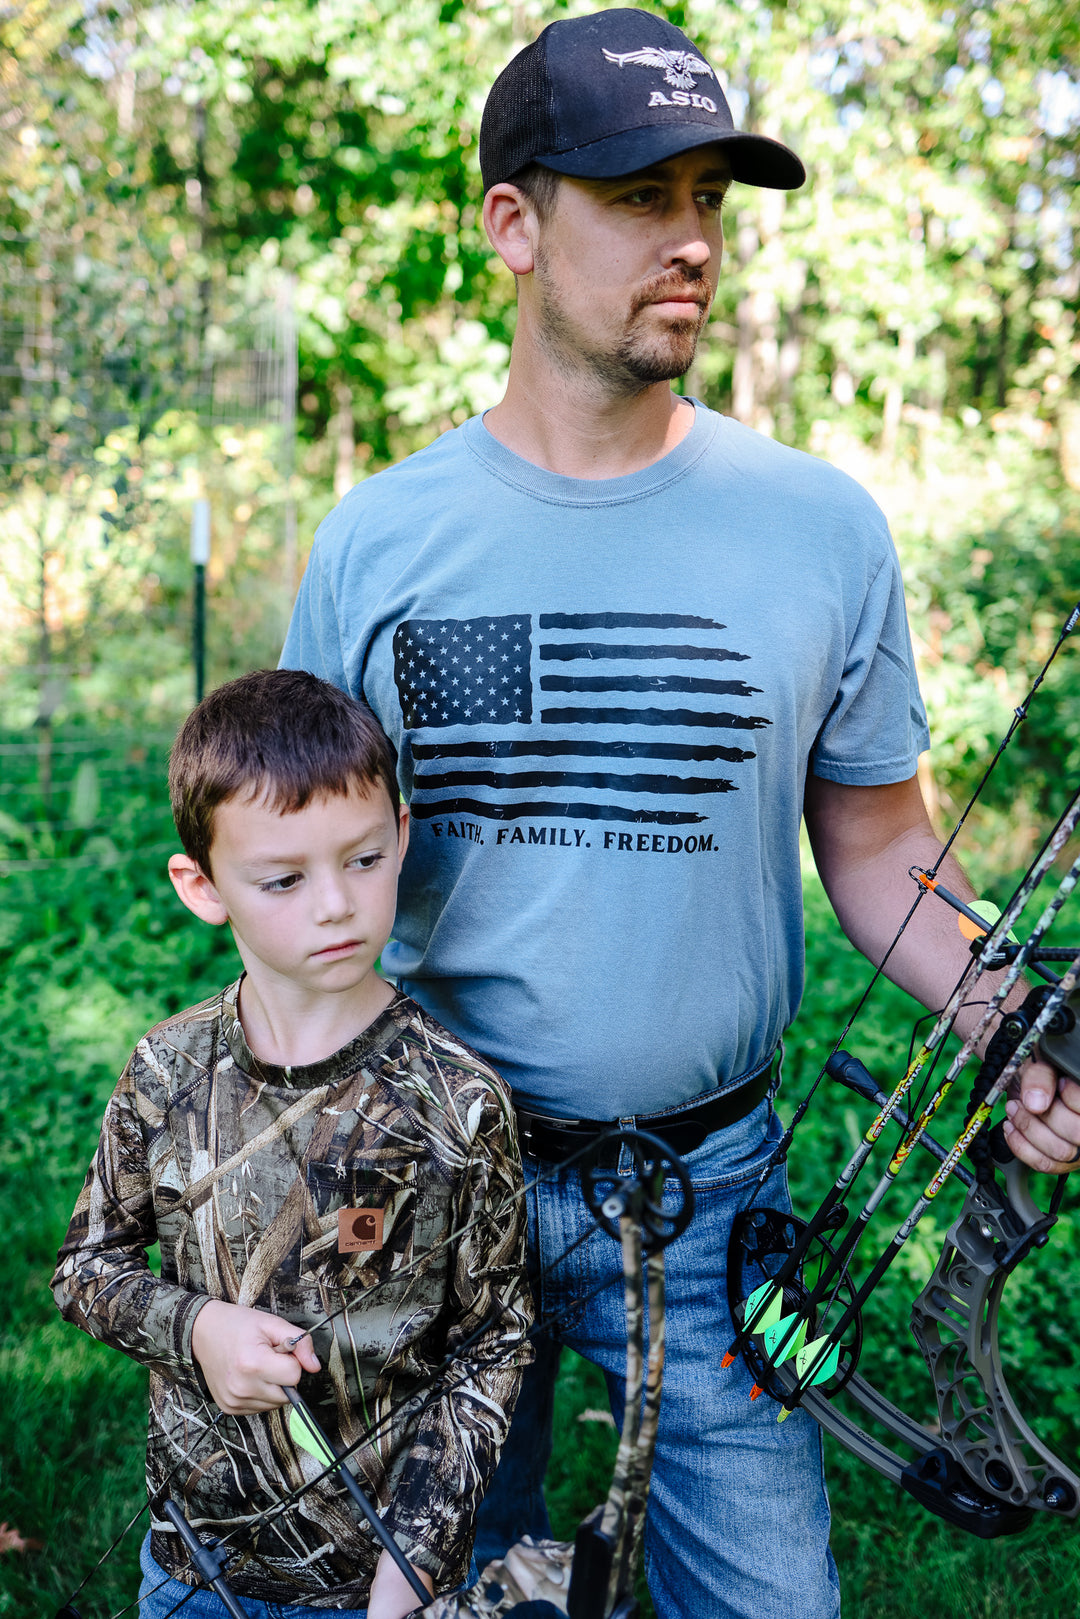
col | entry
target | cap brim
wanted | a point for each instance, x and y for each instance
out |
(756, 160)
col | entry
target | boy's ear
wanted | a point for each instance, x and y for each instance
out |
(196, 891)
(403, 832)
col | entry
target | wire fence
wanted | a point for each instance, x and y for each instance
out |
(130, 394)
(71, 801)
(87, 347)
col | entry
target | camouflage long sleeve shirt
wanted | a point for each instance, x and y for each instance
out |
(380, 1183)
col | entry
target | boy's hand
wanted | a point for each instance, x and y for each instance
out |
(237, 1354)
(391, 1595)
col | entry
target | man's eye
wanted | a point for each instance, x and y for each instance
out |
(280, 885)
(712, 200)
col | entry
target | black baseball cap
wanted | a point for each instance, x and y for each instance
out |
(610, 94)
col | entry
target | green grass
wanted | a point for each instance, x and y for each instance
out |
(91, 956)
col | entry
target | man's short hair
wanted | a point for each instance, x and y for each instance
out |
(541, 186)
(281, 734)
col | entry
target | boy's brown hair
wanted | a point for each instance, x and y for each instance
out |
(279, 733)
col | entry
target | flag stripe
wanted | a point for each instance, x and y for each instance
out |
(565, 651)
(546, 811)
(622, 749)
(518, 779)
(626, 621)
(726, 688)
(482, 673)
(651, 716)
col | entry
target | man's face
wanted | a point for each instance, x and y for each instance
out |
(311, 895)
(625, 270)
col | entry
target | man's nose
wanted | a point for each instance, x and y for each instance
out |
(686, 242)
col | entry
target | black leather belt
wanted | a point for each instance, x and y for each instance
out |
(554, 1140)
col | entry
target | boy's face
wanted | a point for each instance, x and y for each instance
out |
(310, 896)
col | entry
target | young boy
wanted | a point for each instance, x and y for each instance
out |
(307, 1144)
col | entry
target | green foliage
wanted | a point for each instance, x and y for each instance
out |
(90, 956)
(94, 949)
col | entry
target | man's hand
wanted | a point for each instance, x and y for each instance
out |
(236, 1351)
(1043, 1125)
(391, 1594)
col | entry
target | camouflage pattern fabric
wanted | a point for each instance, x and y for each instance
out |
(532, 1571)
(623, 1516)
(241, 1171)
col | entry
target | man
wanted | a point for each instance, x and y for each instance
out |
(623, 644)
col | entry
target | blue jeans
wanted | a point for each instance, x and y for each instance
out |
(159, 1596)
(738, 1518)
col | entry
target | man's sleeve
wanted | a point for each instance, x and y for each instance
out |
(314, 638)
(876, 727)
(103, 1282)
(461, 1433)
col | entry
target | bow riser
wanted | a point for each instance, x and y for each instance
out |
(955, 1323)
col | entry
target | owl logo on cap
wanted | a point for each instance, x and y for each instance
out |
(679, 66)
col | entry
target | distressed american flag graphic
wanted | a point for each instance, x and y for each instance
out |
(624, 705)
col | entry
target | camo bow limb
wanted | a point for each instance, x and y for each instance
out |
(594, 1577)
(983, 1467)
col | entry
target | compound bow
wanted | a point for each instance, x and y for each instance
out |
(794, 1297)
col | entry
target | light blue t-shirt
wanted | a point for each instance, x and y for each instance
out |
(605, 696)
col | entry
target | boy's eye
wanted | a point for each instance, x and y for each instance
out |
(367, 861)
(280, 885)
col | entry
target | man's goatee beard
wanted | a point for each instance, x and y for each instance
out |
(647, 368)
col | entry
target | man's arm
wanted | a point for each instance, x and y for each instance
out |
(864, 841)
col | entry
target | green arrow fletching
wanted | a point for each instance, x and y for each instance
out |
(810, 1353)
(303, 1438)
(771, 1312)
(776, 1334)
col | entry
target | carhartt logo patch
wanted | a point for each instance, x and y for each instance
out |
(679, 66)
(359, 1230)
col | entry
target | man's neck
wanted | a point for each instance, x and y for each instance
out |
(568, 426)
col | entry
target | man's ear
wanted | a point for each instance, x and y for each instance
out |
(512, 226)
(196, 891)
(403, 832)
